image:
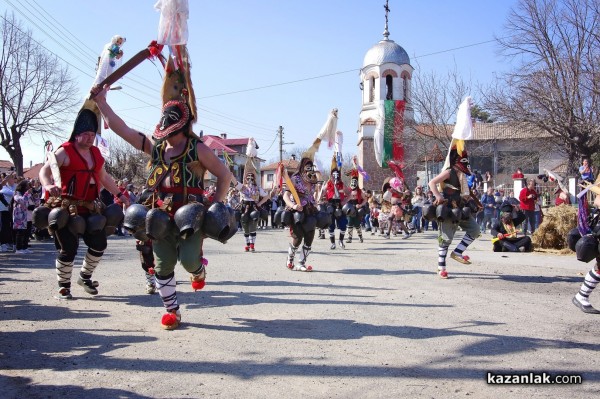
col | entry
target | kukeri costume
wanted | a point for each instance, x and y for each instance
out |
(336, 197)
(304, 222)
(78, 211)
(252, 197)
(584, 240)
(456, 211)
(457, 206)
(300, 198)
(354, 207)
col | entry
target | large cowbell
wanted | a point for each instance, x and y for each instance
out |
(135, 221)
(158, 223)
(219, 222)
(114, 216)
(57, 219)
(40, 217)
(189, 219)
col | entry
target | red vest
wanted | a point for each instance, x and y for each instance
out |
(331, 191)
(76, 177)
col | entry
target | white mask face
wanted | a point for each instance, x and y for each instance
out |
(335, 175)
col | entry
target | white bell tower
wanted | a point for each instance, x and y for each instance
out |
(385, 75)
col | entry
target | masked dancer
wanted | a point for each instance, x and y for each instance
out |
(178, 163)
(454, 194)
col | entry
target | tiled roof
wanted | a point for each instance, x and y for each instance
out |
(33, 172)
(215, 143)
(227, 142)
(290, 164)
(561, 169)
(488, 131)
(242, 141)
(6, 164)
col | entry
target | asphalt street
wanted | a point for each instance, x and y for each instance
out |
(371, 321)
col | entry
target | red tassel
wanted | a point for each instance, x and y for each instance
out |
(198, 285)
(151, 271)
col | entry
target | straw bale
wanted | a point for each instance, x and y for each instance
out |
(557, 223)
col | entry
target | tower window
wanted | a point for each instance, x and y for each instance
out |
(372, 91)
(389, 95)
(405, 88)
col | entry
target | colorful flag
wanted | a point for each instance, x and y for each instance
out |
(388, 140)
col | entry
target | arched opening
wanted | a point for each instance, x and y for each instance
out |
(405, 88)
(389, 87)
(372, 90)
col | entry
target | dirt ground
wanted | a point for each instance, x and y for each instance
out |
(372, 321)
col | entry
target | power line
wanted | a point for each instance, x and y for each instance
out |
(52, 37)
(343, 72)
(54, 23)
(273, 142)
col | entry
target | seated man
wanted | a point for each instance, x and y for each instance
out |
(504, 232)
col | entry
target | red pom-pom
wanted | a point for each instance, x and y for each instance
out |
(198, 285)
(169, 319)
(466, 257)
(151, 271)
(155, 48)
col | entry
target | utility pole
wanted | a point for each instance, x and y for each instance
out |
(281, 143)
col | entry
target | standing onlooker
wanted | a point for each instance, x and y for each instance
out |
(36, 192)
(22, 200)
(489, 209)
(429, 199)
(233, 200)
(417, 204)
(488, 179)
(274, 205)
(374, 216)
(366, 222)
(518, 174)
(478, 180)
(586, 171)
(6, 195)
(528, 197)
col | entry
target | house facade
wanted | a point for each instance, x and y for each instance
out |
(498, 148)
(230, 151)
(269, 172)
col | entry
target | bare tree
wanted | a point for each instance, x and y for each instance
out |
(435, 101)
(555, 86)
(36, 92)
(125, 161)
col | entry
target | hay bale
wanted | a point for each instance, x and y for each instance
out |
(552, 233)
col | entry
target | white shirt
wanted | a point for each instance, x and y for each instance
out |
(8, 191)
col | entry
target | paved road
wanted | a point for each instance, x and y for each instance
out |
(372, 321)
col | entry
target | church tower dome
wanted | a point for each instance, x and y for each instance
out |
(386, 51)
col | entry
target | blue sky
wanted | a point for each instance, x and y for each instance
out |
(259, 64)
